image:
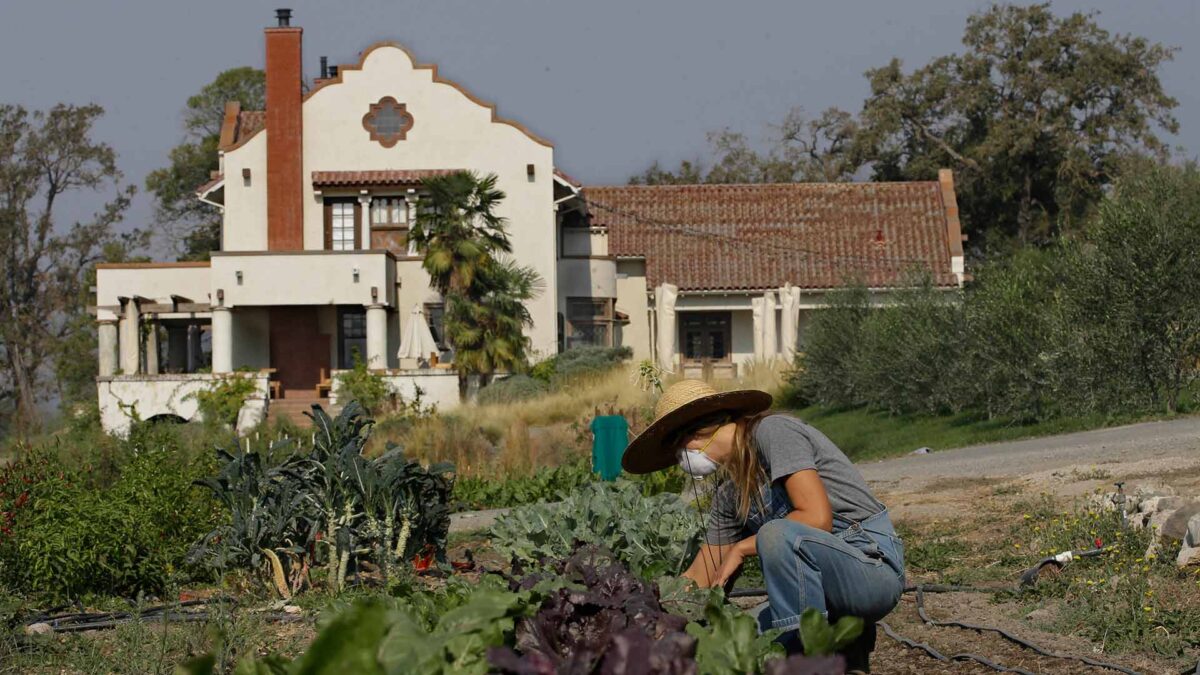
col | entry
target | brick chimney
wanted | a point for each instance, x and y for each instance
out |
(285, 157)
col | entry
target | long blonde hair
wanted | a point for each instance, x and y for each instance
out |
(743, 468)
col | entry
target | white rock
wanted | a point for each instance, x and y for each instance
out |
(1193, 532)
(1157, 520)
(38, 629)
(292, 609)
(1188, 555)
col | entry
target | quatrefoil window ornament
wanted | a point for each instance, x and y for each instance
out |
(388, 121)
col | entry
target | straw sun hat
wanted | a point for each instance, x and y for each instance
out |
(681, 404)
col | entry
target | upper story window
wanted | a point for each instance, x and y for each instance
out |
(389, 211)
(388, 121)
(342, 232)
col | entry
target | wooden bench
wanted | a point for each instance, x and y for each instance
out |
(325, 384)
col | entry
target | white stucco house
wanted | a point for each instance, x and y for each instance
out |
(317, 193)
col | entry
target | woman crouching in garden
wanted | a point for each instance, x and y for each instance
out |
(788, 495)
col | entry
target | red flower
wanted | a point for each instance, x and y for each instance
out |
(22, 499)
(1099, 542)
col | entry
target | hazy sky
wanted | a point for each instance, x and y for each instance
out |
(614, 84)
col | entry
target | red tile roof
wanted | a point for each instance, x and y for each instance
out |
(749, 237)
(212, 183)
(384, 177)
(563, 175)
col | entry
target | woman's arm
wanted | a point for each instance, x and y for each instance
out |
(708, 561)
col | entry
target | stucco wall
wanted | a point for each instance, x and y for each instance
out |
(586, 277)
(304, 278)
(153, 395)
(244, 224)
(632, 300)
(439, 386)
(251, 337)
(450, 131)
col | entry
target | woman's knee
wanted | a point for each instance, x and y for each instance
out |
(780, 537)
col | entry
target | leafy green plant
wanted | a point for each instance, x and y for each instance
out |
(62, 537)
(360, 384)
(652, 535)
(331, 507)
(221, 402)
(479, 492)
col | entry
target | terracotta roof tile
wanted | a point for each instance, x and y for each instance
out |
(743, 237)
(563, 175)
(213, 182)
(384, 177)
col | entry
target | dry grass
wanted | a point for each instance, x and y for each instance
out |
(581, 398)
(519, 438)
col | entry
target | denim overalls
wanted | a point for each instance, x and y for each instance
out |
(855, 570)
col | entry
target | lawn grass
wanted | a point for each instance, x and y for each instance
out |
(867, 435)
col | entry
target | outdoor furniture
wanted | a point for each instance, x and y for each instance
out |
(324, 384)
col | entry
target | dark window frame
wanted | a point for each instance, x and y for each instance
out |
(692, 319)
(605, 319)
(344, 358)
(328, 208)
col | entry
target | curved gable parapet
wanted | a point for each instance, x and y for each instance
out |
(437, 79)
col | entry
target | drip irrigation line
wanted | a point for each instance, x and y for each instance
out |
(1013, 638)
(913, 644)
(922, 589)
(168, 617)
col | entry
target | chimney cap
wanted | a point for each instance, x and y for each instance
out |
(284, 16)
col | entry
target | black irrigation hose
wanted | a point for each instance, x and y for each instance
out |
(913, 644)
(1013, 638)
(922, 589)
(172, 617)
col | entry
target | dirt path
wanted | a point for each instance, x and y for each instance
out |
(1069, 465)
(972, 492)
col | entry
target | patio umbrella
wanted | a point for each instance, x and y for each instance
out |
(417, 342)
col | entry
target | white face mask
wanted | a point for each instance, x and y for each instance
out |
(697, 464)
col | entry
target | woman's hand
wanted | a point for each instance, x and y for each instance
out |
(730, 564)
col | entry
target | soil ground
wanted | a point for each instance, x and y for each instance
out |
(976, 493)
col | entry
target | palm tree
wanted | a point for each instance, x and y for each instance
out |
(460, 236)
(487, 327)
(457, 229)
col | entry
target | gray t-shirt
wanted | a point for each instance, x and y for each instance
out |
(787, 445)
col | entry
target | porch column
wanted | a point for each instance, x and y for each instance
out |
(152, 348)
(364, 220)
(756, 307)
(131, 339)
(770, 341)
(107, 333)
(222, 340)
(376, 336)
(664, 305)
(789, 298)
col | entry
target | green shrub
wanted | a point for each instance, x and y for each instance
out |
(67, 539)
(360, 384)
(221, 402)
(580, 362)
(511, 390)
(823, 368)
(1013, 362)
(477, 492)
(908, 357)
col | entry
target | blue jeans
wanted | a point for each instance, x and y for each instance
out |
(856, 570)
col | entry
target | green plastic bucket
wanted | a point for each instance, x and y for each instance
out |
(610, 435)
